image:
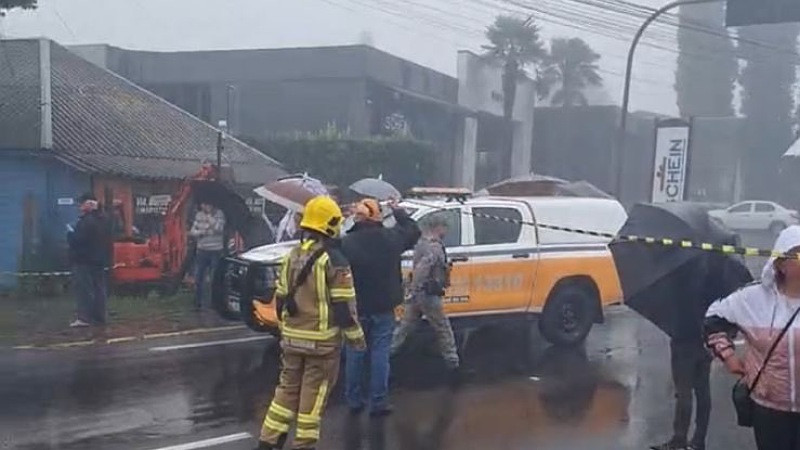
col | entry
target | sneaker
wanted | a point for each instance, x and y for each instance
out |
(78, 323)
(383, 411)
(669, 446)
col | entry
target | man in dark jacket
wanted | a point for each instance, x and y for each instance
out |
(90, 250)
(375, 252)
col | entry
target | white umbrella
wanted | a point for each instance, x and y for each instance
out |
(292, 192)
(376, 188)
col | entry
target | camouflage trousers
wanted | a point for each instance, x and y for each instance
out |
(431, 307)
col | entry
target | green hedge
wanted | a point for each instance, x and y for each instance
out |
(341, 161)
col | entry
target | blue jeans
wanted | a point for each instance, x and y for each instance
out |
(378, 330)
(205, 262)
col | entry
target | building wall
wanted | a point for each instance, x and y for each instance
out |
(578, 144)
(273, 90)
(717, 145)
(261, 93)
(34, 232)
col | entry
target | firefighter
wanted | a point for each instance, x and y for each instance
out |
(316, 305)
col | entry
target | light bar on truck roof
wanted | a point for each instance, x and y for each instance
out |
(447, 192)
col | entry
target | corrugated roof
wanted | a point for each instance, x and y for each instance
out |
(19, 94)
(105, 124)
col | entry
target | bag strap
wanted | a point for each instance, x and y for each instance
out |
(773, 347)
(305, 271)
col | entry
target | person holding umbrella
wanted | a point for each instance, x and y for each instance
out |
(374, 253)
(672, 286)
(690, 361)
(766, 313)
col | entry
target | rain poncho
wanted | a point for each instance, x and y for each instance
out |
(760, 311)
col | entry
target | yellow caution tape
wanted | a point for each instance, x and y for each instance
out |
(665, 242)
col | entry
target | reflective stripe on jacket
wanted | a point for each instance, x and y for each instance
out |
(325, 301)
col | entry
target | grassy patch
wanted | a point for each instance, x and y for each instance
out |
(42, 320)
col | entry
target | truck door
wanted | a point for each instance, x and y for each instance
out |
(502, 257)
(457, 296)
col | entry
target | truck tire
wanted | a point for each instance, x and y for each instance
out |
(568, 315)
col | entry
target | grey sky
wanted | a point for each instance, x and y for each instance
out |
(417, 30)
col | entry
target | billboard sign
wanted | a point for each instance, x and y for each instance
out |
(758, 12)
(670, 166)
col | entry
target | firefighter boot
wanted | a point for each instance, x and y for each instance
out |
(267, 446)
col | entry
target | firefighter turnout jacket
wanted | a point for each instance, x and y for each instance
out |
(325, 301)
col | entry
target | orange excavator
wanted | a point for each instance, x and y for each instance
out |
(163, 258)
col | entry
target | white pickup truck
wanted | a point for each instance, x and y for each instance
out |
(507, 265)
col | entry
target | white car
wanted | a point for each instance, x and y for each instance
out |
(757, 215)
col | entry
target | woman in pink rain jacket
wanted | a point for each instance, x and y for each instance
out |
(760, 312)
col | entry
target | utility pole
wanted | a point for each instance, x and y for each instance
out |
(228, 89)
(626, 97)
(220, 147)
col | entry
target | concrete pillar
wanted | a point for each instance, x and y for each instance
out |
(46, 95)
(468, 154)
(521, 150)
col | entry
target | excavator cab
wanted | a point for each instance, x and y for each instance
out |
(164, 257)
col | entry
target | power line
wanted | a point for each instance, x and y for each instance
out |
(395, 12)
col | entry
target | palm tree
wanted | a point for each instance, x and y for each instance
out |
(514, 43)
(573, 64)
(6, 5)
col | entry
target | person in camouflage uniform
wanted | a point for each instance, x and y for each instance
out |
(430, 278)
(317, 309)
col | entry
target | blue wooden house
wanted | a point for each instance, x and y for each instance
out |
(69, 127)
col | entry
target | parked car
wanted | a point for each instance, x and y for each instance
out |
(503, 270)
(757, 216)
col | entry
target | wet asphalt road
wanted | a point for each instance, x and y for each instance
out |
(614, 394)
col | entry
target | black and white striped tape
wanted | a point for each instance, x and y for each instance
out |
(666, 242)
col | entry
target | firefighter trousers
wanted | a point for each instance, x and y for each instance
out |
(304, 386)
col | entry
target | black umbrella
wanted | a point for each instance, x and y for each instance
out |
(669, 285)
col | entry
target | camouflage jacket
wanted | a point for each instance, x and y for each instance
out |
(431, 269)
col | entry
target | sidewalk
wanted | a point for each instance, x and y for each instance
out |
(45, 321)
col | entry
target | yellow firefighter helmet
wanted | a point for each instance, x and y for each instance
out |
(323, 215)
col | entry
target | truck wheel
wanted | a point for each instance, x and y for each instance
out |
(568, 315)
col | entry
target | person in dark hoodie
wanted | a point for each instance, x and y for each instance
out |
(90, 245)
(691, 362)
(374, 253)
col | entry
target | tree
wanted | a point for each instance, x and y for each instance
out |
(572, 64)
(6, 5)
(768, 83)
(514, 44)
(705, 84)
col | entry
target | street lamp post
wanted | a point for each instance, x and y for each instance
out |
(626, 93)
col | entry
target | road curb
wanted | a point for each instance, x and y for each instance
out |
(125, 339)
